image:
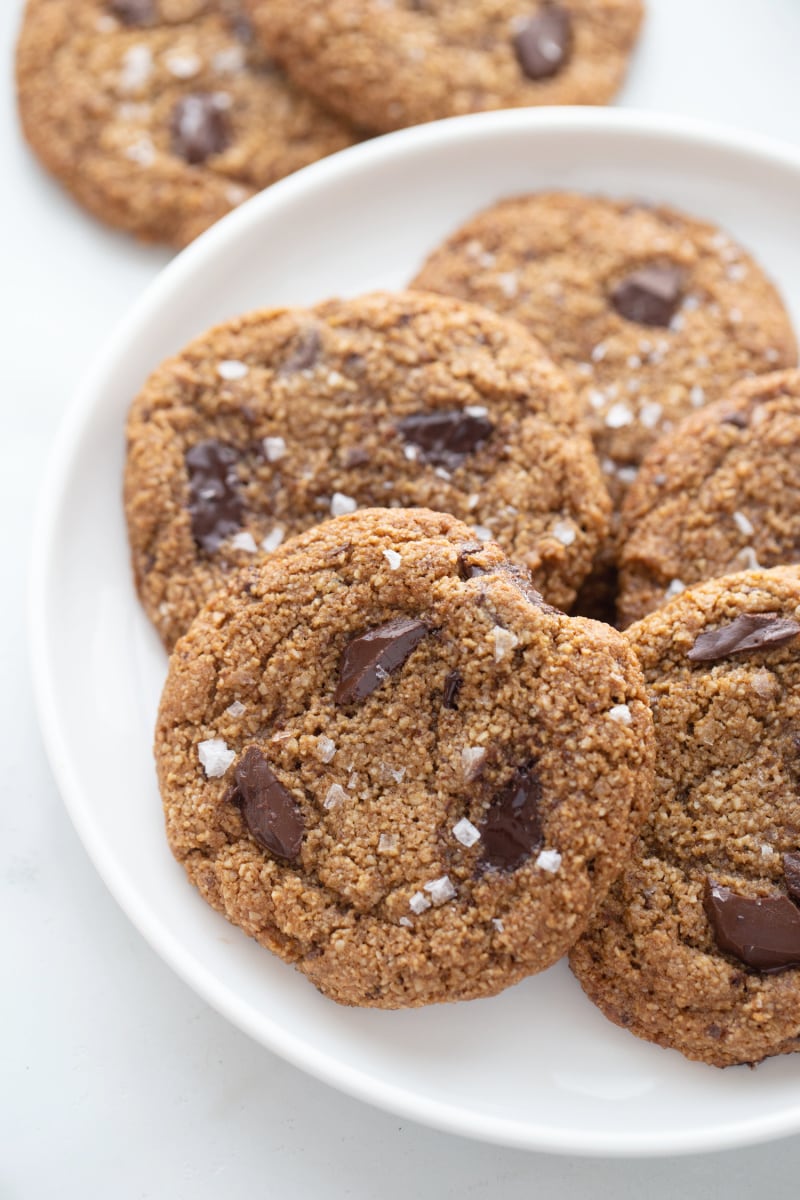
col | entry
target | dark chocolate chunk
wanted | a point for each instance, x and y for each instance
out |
(649, 296)
(368, 660)
(270, 812)
(133, 12)
(199, 127)
(750, 631)
(544, 43)
(762, 932)
(468, 569)
(791, 873)
(444, 437)
(512, 829)
(738, 419)
(304, 352)
(452, 686)
(215, 506)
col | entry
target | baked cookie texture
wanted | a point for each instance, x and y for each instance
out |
(160, 116)
(386, 759)
(278, 420)
(385, 66)
(718, 494)
(697, 946)
(651, 312)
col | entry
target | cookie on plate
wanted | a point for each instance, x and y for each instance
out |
(386, 759)
(651, 312)
(160, 116)
(385, 66)
(718, 494)
(697, 946)
(275, 421)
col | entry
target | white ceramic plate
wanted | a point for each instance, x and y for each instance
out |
(538, 1066)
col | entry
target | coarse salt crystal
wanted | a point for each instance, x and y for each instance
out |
(393, 559)
(387, 842)
(675, 588)
(599, 352)
(325, 749)
(418, 903)
(634, 362)
(472, 760)
(735, 315)
(650, 414)
(440, 890)
(508, 282)
(236, 709)
(548, 860)
(482, 532)
(411, 453)
(231, 368)
(274, 448)
(466, 833)
(697, 396)
(767, 851)
(137, 63)
(215, 757)
(273, 539)
(618, 415)
(335, 795)
(142, 152)
(476, 410)
(442, 473)
(406, 922)
(621, 714)
(229, 60)
(341, 504)
(183, 66)
(596, 398)
(504, 642)
(473, 500)
(498, 924)
(743, 524)
(627, 475)
(564, 532)
(244, 541)
(748, 556)
(677, 323)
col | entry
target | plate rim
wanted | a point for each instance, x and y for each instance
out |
(262, 1028)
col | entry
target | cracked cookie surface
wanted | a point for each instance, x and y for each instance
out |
(697, 946)
(277, 420)
(389, 762)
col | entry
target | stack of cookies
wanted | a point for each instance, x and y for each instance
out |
(160, 116)
(383, 748)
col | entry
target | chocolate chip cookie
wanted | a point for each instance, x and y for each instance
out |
(275, 421)
(651, 312)
(718, 494)
(384, 66)
(160, 116)
(697, 946)
(386, 759)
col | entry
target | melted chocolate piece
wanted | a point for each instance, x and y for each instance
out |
(544, 44)
(369, 659)
(215, 506)
(304, 353)
(466, 568)
(750, 631)
(512, 829)
(764, 933)
(133, 12)
(791, 873)
(452, 686)
(649, 296)
(270, 812)
(445, 436)
(199, 128)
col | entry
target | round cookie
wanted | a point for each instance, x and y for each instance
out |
(160, 116)
(389, 762)
(697, 946)
(387, 66)
(718, 494)
(277, 420)
(651, 312)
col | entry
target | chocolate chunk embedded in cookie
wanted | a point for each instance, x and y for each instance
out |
(384, 66)
(697, 946)
(718, 494)
(161, 115)
(278, 420)
(324, 791)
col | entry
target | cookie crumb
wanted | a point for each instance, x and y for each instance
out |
(215, 757)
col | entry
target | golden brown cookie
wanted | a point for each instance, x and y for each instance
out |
(275, 421)
(386, 759)
(384, 66)
(718, 494)
(697, 946)
(652, 313)
(161, 115)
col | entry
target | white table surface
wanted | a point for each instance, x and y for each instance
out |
(115, 1080)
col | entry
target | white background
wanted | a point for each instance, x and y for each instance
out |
(114, 1079)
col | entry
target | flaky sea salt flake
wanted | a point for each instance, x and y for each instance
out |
(564, 532)
(325, 749)
(215, 757)
(236, 709)
(504, 642)
(440, 890)
(472, 758)
(621, 714)
(743, 524)
(393, 559)
(466, 833)
(274, 448)
(230, 369)
(341, 504)
(548, 860)
(273, 539)
(335, 795)
(244, 541)
(418, 903)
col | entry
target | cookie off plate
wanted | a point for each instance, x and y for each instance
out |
(537, 1066)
